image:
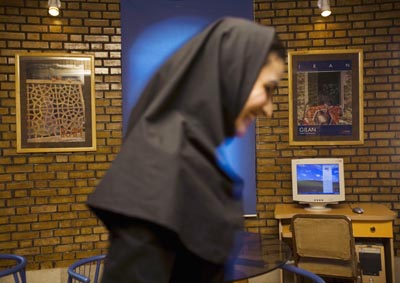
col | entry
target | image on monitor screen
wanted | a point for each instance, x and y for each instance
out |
(318, 178)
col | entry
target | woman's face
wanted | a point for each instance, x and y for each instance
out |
(260, 98)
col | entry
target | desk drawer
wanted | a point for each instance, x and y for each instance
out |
(373, 229)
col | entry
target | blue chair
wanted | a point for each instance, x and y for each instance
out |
(17, 269)
(302, 272)
(86, 270)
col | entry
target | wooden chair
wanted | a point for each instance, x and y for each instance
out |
(303, 273)
(324, 245)
(13, 265)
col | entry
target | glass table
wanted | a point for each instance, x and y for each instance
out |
(255, 254)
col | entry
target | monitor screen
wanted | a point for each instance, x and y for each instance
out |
(318, 181)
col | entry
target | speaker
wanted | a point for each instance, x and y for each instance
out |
(372, 261)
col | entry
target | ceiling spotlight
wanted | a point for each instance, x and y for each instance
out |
(54, 7)
(325, 7)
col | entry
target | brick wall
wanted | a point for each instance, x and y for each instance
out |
(42, 195)
(372, 170)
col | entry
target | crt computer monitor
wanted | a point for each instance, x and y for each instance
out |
(318, 182)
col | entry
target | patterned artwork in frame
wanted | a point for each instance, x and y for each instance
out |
(55, 102)
(326, 97)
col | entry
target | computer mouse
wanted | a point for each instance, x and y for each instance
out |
(358, 210)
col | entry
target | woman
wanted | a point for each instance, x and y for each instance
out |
(170, 209)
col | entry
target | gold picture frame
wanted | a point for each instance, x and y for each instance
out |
(326, 97)
(55, 102)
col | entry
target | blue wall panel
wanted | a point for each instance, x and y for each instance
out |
(151, 31)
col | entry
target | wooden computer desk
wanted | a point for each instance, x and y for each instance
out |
(376, 223)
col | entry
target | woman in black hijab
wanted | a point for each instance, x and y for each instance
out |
(170, 208)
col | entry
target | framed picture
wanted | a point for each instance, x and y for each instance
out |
(326, 97)
(55, 102)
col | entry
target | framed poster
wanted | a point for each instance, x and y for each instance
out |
(55, 102)
(326, 97)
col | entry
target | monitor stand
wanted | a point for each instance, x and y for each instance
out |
(317, 207)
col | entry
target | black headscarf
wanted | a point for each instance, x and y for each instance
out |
(167, 171)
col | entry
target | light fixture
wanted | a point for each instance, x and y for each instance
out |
(54, 7)
(325, 7)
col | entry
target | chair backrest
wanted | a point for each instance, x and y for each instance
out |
(87, 270)
(13, 265)
(325, 243)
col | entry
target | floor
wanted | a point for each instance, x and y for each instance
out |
(59, 275)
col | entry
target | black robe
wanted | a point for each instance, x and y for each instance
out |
(166, 171)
